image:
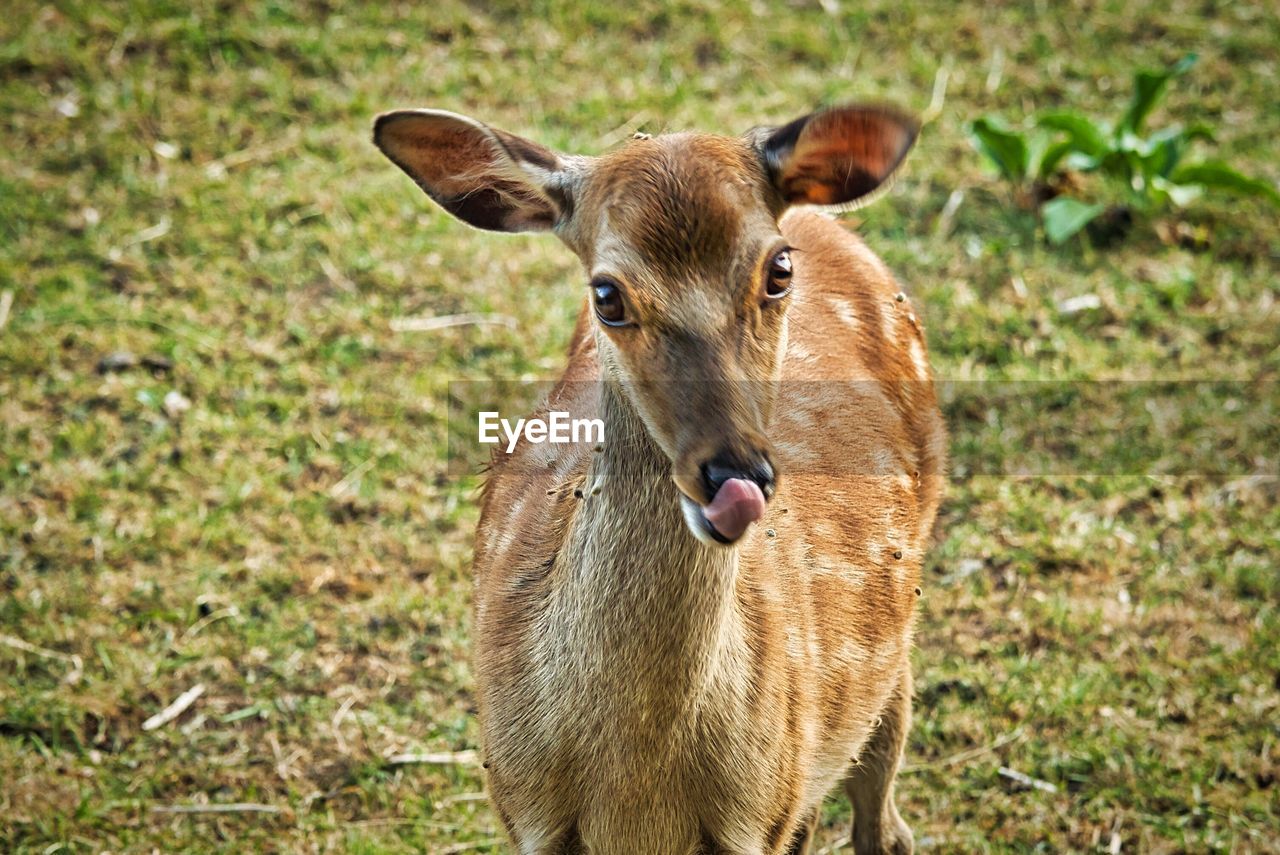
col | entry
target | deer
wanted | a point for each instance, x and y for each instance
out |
(684, 637)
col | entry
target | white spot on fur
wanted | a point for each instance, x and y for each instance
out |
(916, 349)
(502, 541)
(796, 454)
(875, 553)
(852, 574)
(851, 652)
(798, 352)
(843, 311)
(889, 319)
(825, 532)
(794, 645)
(518, 506)
(800, 418)
(884, 462)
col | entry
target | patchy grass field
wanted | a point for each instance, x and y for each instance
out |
(192, 184)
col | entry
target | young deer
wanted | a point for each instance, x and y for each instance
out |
(654, 673)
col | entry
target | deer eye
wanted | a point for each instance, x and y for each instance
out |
(607, 297)
(778, 275)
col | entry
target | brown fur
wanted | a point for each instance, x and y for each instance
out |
(641, 691)
(828, 577)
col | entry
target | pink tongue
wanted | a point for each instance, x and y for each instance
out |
(738, 503)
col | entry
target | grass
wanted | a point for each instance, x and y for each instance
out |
(192, 183)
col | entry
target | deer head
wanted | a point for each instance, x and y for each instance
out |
(686, 266)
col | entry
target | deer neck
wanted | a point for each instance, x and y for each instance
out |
(641, 588)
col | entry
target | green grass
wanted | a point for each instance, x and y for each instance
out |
(193, 182)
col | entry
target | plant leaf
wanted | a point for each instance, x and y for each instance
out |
(1084, 135)
(1219, 176)
(1037, 144)
(1128, 141)
(1051, 157)
(1181, 195)
(1082, 162)
(1148, 88)
(1119, 164)
(1164, 151)
(1166, 147)
(1064, 216)
(1005, 148)
(1200, 131)
(1162, 160)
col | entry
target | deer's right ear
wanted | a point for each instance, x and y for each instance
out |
(483, 176)
(837, 158)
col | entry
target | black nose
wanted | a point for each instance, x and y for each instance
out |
(722, 467)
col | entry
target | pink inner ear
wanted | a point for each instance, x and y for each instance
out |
(444, 155)
(844, 154)
(469, 169)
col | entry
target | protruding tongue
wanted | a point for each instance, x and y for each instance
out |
(738, 503)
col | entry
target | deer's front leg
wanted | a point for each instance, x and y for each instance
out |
(877, 827)
(802, 842)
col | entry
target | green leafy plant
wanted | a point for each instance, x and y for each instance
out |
(1064, 216)
(1149, 170)
(1019, 157)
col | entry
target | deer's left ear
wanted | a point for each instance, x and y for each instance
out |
(483, 176)
(837, 157)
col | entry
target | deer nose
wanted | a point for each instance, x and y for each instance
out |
(725, 467)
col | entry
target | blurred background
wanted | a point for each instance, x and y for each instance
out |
(234, 590)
